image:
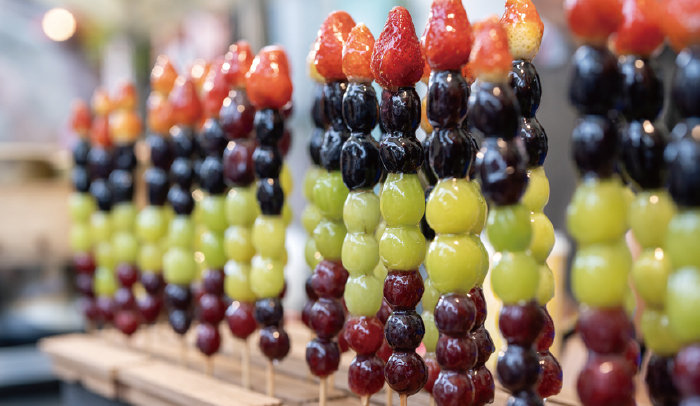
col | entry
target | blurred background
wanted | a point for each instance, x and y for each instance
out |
(52, 52)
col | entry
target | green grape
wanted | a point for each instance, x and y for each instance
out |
(657, 333)
(537, 193)
(683, 304)
(480, 222)
(151, 224)
(402, 248)
(237, 281)
(682, 239)
(431, 332)
(598, 211)
(360, 253)
(483, 259)
(287, 215)
(181, 232)
(380, 272)
(403, 201)
(361, 212)
(542, 237)
(238, 244)
(453, 206)
(211, 245)
(241, 206)
(310, 218)
(430, 296)
(515, 277)
(269, 236)
(104, 255)
(266, 277)
(309, 181)
(329, 194)
(629, 195)
(179, 266)
(599, 274)
(151, 257)
(311, 253)
(329, 237)
(105, 283)
(286, 180)
(100, 226)
(649, 215)
(125, 247)
(80, 240)
(650, 275)
(380, 230)
(453, 263)
(363, 295)
(545, 287)
(81, 206)
(509, 228)
(214, 212)
(123, 217)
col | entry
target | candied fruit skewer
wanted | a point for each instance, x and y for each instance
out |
(81, 205)
(502, 164)
(125, 128)
(327, 315)
(682, 157)
(597, 215)
(269, 88)
(179, 266)
(397, 64)
(525, 28)
(361, 169)
(236, 117)
(642, 164)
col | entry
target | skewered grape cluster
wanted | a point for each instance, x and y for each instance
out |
(81, 205)
(269, 88)
(597, 214)
(397, 64)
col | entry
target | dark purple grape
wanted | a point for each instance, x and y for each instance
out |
(595, 146)
(269, 311)
(446, 99)
(161, 152)
(642, 92)
(453, 389)
(315, 143)
(327, 317)
(404, 330)
(211, 175)
(546, 337)
(274, 342)
(659, 380)
(595, 83)
(270, 196)
(359, 162)
(405, 372)
(333, 141)
(454, 314)
(208, 338)
(360, 107)
(484, 387)
(457, 354)
(403, 290)
(384, 311)
(106, 308)
(180, 320)
(181, 172)
(484, 344)
(80, 178)
(686, 82)
(642, 154)
(450, 152)
(535, 139)
(124, 157)
(322, 356)
(212, 139)
(333, 93)
(686, 371)
(152, 282)
(178, 296)
(84, 284)
(401, 154)
(366, 375)
(213, 281)
(182, 141)
(239, 169)
(682, 157)
(81, 149)
(150, 307)
(525, 398)
(328, 279)
(503, 170)
(308, 287)
(124, 299)
(527, 87)
(552, 378)
(493, 110)
(121, 184)
(181, 200)
(521, 324)
(479, 300)
(90, 309)
(400, 111)
(306, 313)
(518, 368)
(99, 189)
(318, 114)
(157, 185)
(267, 161)
(236, 115)
(99, 162)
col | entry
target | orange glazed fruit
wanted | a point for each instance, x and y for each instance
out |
(357, 54)
(681, 22)
(397, 59)
(163, 75)
(99, 132)
(640, 32)
(447, 39)
(80, 118)
(329, 45)
(214, 90)
(159, 113)
(267, 82)
(593, 20)
(468, 72)
(124, 126)
(126, 97)
(524, 27)
(490, 59)
(101, 104)
(186, 108)
(199, 71)
(237, 63)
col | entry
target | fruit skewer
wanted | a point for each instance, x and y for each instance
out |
(456, 260)
(642, 163)
(269, 88)
(327, 315)
(682, 157)
(125, 128)
(525, 28)
(361, 169)
(597, 214)
(236, 118)
(397, 64)
(502, 163)
(179, 266)
(81, 205)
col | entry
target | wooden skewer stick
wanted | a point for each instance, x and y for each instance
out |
(331, 381)
(270, 379)
(389, 396)
(322, 391)
(432, 401)
(245, 364)
(210, 366)
(364, 401)
(183, 351)
(403, 399)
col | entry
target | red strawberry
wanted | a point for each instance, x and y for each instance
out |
(329, 45)
(80, 118)
(447, 38)
(593, 20)
(183, 100)
(640, 32)
(237, 63)
(214, 90)
(490, 58)
(268, 82)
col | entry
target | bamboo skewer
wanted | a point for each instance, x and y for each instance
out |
(210, 366)
(389, 396)
(322, 391)
(270, 379)
(403, 399)
(432, 401)
(245, 365)
(364, 401)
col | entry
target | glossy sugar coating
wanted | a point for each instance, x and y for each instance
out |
(163, 75)
(640, 32)
(329, 43)
(447, 39)
(268, 81)
(184, 102)
(593, 20)
(236, 63)
(124, 122)
(357, 54)
(80, 118)
(524, 27)
(214, 90)
(490, 57)
(680, 23)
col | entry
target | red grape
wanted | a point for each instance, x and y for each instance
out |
(403, 290)
(484, 343)
(208, 338)
(322, 356)
(84, 263)
(211, 308)
(213, 281)
(328, 280)
(274, 342)
(365, 335)
(686, 371)
(518, 368)
(453, 389)
(605, 330)
(404, 330)
(366, 375)
(127, 321)
(521, 324)
(454, 315)
(457, 354)
(124, 299)
(479, 300)
(552, 379)
(152, 282)
(546, 337)
(606, 381)
(241, 321)
(127, 274)
(327, 317)
(484, 387)
(433, 370)
(150, 307)
(405, 372)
